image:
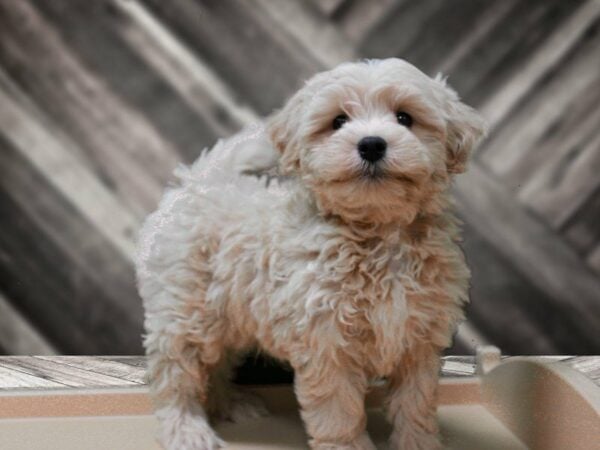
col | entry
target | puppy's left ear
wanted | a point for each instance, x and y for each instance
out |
(465, 128)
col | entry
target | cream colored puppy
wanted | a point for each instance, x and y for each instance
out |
(349, 270)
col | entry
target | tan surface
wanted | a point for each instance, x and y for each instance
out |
(465, 427)
(548, 406)
(135, 401)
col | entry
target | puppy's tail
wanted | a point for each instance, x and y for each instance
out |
(247, 153)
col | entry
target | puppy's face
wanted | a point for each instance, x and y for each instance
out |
(375, 141)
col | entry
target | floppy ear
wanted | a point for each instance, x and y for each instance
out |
(465, 128)
(282, 129)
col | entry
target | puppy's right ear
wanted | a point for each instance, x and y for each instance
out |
(283, 130)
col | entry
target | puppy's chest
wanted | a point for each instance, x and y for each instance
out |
(365, 296)
(374, 308)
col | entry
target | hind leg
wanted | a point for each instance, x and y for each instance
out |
(184, 346)
(179, 385)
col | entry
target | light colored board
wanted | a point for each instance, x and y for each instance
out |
(453, 368)
(18, 336)
(520, 237)
(16, 379)
(61, 373)
(101, 366)
(135, 361)
(587, 365)
(131, 369)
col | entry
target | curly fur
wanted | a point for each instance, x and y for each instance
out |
(346, 274)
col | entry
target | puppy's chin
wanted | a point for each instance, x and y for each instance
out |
(371, 196)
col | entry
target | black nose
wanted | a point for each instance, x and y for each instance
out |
(372, 148)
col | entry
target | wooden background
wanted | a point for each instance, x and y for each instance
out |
(99, 100)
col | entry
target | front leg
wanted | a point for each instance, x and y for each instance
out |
(331, 398)
(412, 401)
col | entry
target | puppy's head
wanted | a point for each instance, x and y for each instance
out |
(375, 141)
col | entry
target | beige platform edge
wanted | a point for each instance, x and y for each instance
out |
(546, 405)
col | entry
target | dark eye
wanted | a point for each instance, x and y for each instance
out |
(404, 119)
(339, 121)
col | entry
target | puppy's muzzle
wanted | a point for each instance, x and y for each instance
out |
(372, 148)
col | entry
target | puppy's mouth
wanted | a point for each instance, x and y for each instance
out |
(371, 171)
(376, 173)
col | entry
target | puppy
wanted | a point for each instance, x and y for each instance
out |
(349, 270)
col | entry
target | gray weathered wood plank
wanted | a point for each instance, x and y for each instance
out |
(357, 17)
(194, 81)
(101, 366)
(559, 188)
(502, 299)
(140, 62)
(582, 230)
(118, 141)
(61, 373)
(57, 159)
(59, 278)
(563, 276)
(16, 379)
(509, 46)
(85, 372)
(135, 361)
(230, 37)
(316, 34)
(516, 150)
(17, 335)
(588, 365)
(593, 258)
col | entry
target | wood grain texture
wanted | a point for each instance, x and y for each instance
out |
(98, 102)
(116, 369)
(58, 372)
(577, 298)
(515, 151)
(278, 66)
(104, 371)
(18, 336)
(582, 230)
(35, 138)
(16, 379)
(118, 141)
(527, 41)
(43, 234)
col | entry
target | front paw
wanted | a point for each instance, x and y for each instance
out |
(410, 440)
(184, 431)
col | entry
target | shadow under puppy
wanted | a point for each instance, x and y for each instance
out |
(349, 270)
